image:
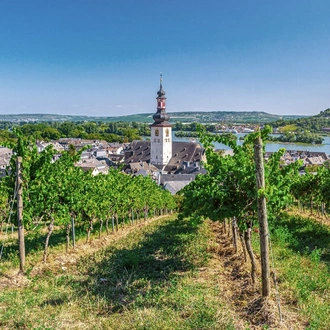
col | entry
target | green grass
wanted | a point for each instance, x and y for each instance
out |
(301, 248)
(35, 242)
(153, 279)
(149, 279)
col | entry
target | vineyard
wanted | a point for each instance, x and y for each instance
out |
(248, 248)
(58, 195)
(247, 195)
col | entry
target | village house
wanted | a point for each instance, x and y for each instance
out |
(5, 156)
(308, 157)
(42, 145)
(94, 166)
(143, 168)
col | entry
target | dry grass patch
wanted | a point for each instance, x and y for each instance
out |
(251, 310)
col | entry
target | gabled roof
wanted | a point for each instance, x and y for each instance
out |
(137, 151)
(317, 160)
(5, 151)
(93, 164)
(176, 177)
(116, 158)
(141, 166)
(141, 172)
(182, 153)
(175, 186)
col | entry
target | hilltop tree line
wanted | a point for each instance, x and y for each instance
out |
(313, 124)
(295, 130)
(110, 132)
(299, 136)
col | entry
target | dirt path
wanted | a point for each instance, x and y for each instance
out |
(232, 274)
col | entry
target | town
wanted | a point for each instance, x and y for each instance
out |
(171, 164)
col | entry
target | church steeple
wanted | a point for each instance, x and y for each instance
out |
(161, 92)
(161, 117)
(161, 131)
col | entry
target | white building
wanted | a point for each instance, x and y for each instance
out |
(161, 132)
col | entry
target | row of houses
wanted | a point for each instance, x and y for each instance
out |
(97, 158)
(308, 157)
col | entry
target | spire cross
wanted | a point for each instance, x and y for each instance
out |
(161, 80)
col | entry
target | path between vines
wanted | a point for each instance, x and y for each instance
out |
(244, 299)
(225, 269)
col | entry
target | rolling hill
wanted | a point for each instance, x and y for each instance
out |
(238, 117)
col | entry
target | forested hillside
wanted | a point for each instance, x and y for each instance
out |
(313, 124)
(110, 132)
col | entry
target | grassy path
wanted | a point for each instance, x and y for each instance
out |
(153, 277)
(171, 274)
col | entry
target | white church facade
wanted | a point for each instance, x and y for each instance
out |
(169, 157)
(161, 131)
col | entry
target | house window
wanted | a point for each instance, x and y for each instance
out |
(157, 132)
(167, 132)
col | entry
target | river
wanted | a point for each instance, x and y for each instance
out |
(273, 146)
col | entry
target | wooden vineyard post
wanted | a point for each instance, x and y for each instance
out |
(262, 217)
(73, 233)
(20, 227)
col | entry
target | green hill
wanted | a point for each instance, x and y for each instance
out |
(317, 123)
(236, 117)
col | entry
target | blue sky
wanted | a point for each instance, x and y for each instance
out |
(103, 57)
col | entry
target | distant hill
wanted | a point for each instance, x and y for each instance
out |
(317, 123)
(237, 117)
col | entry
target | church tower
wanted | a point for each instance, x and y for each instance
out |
(161, 131)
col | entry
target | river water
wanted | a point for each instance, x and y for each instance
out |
(325, 147)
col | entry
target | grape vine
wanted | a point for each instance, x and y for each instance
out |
(56, 191)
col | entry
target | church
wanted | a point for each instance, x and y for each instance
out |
(161, 154)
